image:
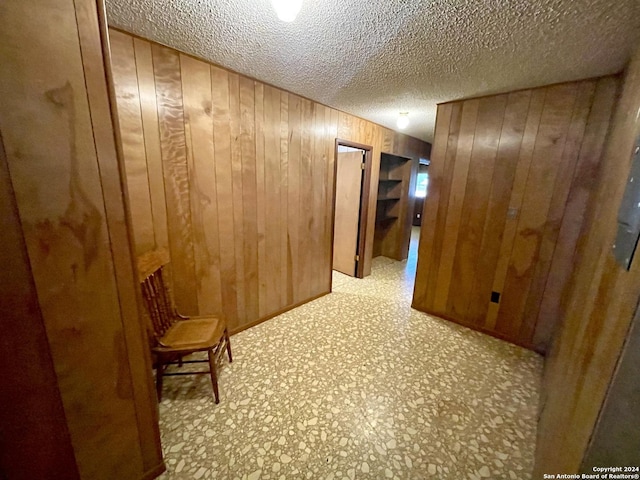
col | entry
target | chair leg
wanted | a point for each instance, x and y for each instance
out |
(159, 371)
(226, 336)
(214, 375)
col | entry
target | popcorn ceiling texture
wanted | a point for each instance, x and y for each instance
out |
(376, 58)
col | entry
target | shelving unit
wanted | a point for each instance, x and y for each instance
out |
(392, 205)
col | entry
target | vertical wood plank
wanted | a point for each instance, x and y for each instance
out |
(554, 126)
(333, 135)
(485, 147)
(293, 193)
(306, 199)
(586, 171)
(92, 33)
(329, 147)
(176, 176)
(451, 139)
(427, 251)
(150, 127)
(511, 136)
(36, 442)
(456, 200)
(272, 196)
(517, 194)
(318, 182)
(224, 191)
(249, 197)
(263, 273)
(198, 109)
(133, 146)
(58, 134)
(557, 207)
(238, 208)
(599, 304)
(286, 283)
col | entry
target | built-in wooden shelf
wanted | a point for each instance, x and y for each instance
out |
(392, 205)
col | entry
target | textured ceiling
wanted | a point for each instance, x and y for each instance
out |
(375, 58)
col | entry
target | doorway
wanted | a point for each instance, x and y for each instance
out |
(351, 194)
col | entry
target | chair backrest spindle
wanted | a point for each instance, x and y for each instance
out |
(155, 291)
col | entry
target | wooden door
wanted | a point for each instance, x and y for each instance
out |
(347, 216)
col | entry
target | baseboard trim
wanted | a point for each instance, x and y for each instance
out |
(154, 472)
(275, 314)
(476, 328)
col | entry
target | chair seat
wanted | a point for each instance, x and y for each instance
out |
(193, 333)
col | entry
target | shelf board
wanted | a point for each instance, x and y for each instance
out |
(388, 199)
(386, 219)
(390, 180)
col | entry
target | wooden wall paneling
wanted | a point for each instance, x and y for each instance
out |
(399, 143)
(376, 142)
(387, 140)
(515, 202)
(616, 437)
(166, 65)
(306, 199)
(557, 208)
(263, 278)
(510, 183)
(440, 207)
(272, 196)
(598, 307)
(261, 210)
(133, 146)
(545, 165)
(344, 125)
(576, 210)
(286, 285)
(456, 200)
(198, 120)
(511, 135)
(35, 440)
(237, 196)
(101, 94)
(151, 132)
(318, 178)
(328, 151)
(474, 208)
(61, 155)
(224, 191)
(330, 133)
(249, 197)
(294, 193)
(427, 249)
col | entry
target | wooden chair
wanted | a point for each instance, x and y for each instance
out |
(175, 336)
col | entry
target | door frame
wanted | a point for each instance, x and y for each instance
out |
(364, 203)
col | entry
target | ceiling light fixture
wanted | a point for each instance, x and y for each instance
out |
(287, 10)
(403, 120)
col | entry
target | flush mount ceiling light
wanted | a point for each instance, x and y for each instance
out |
(403, 120)
(287, 10)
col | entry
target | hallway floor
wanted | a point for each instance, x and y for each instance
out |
(356, 384)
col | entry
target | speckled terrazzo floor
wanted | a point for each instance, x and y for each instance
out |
(358, 385)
